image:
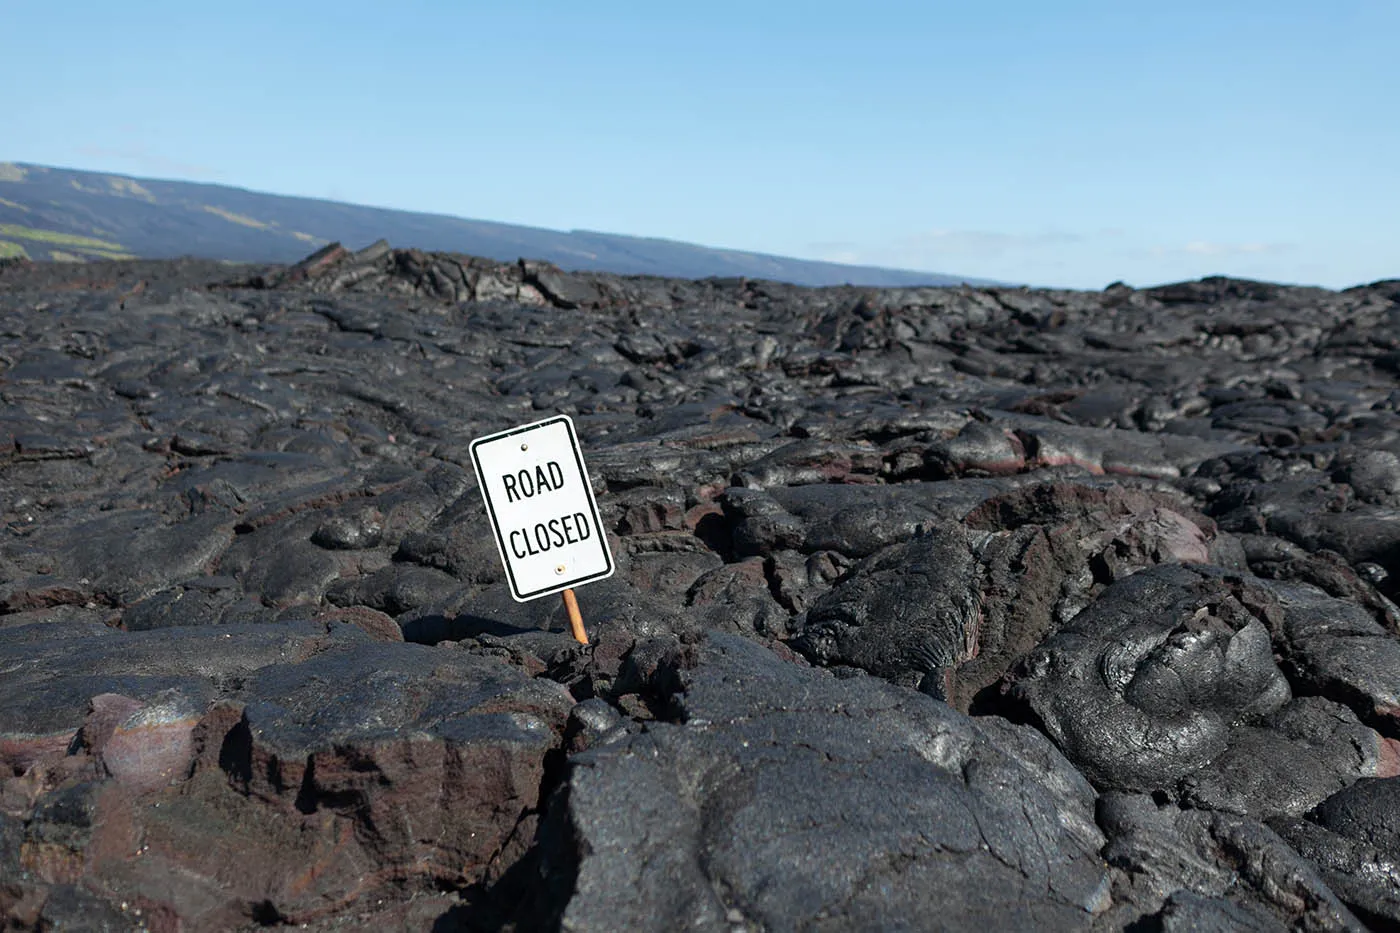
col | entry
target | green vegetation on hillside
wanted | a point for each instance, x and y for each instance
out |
(60, 239)
(88, 247)
(108, 254)
(17, 206)
(235, 218)
(9, 171)
(130, 187)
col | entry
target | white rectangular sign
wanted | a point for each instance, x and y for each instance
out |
(542, 508)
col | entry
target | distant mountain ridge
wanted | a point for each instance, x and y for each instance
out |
(49, 213)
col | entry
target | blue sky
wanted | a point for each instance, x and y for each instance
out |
(1065, 144)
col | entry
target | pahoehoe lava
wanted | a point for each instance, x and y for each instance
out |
(935, 608)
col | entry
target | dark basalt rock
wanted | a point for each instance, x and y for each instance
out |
(1141, 688)
(1183, 866)
(1337, 649)
(728, 819)
(1362, 874)
(907, 614)
(1291, 760)
(1365, 811)
(934, 607)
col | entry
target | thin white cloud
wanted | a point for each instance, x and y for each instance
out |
(843, 252)
(1207, 248)
(985, 243)
(934, 246)
(1087, 258)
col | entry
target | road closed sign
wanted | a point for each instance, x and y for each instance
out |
(541, 508)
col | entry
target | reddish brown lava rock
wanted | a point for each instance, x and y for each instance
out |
(151, 747)
(379, 625)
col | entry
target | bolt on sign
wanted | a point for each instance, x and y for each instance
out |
(542, 508)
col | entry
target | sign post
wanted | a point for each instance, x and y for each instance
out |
(543, 514)
(575, 617)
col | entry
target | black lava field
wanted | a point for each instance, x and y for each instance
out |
(934, 608)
